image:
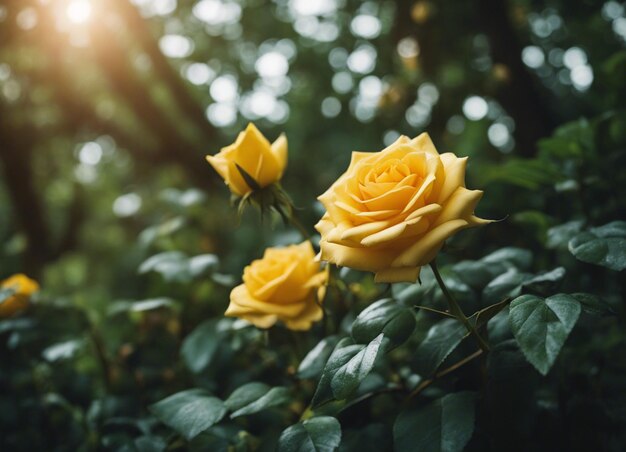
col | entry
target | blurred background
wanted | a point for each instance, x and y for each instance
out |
(107, 109)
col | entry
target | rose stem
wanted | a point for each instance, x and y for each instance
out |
(455, 309)
(295, 222)
(424, 384)
(290, 217)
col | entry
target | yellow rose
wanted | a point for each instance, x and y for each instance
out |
(23, 287)
(391, 211)
(281, 286)
(263, 161)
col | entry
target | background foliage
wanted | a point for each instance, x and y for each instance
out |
(106, 111)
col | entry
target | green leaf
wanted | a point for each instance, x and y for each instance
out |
(386, 316)
(441, 340)
(461, 291)
(593, 305)
(485, 315)
(254, 397)
(149, 305)
(318, 434)
(569, 140)
(605, 246)
(518, 257)
(201, 264)
(141, 306)
(62, 350)
(189, 412)
(175, 266)
(526, 173)
(512, 283)
(544, 283)
(343, 352)
(477, 274)
(508, 284)
(172, 265)
(559, 236)
(446, 425)
(348, 376)
(411, 294)
(200, 346)
(542, 326)
(274, 397)
(313, 363)
(150, 444)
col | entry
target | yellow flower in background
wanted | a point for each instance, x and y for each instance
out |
(263, 161)
(22, 288)
(282, 286)
(391, 211)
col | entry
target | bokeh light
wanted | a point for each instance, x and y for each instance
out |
(79, 11)
(475, 108)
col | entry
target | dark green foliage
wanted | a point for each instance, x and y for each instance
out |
(189, 412)
(605, 246)
(106, 200)
(319, 434)
(541, 326)
(445, 425)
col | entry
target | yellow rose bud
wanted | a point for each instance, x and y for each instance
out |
(23, 287)
(391, 211)
(280, 286)
(263, 161)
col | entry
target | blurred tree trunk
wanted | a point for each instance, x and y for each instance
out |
(519, 94)
(16, 144)
(17, 140)
(166, 72)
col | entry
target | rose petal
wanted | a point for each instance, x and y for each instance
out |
(250, 148)
(241, 301)
(357, 233)
(285, 287)
(418, 198)
(380, 215)
(358, 156)
(358, 258)
(396, 198)
(385, 235)
(397, 274)
(325, 225)
(263, 321)
(279, 148)
(423, 143)
(455, 174)
(422, 211)
(460, 204)
(426, 246)
(305, 319)
(229, 173)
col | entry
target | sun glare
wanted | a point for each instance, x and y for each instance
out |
(79, 11)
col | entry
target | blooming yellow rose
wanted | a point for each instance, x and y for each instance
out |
(391, 211)
(281, 286)
(23, 287)
(263, 161)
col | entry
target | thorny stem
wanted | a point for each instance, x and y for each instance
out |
(455, 309)
(289, 217)
(296, 223)
(436, 311)
(424, 384)
(100, 353)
